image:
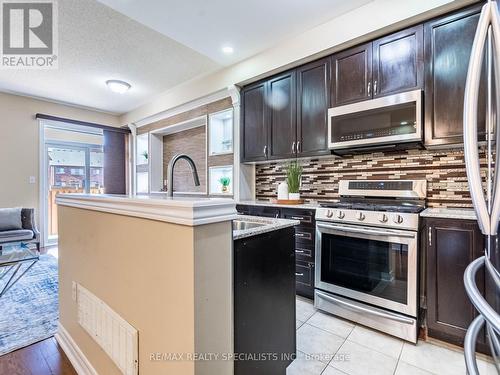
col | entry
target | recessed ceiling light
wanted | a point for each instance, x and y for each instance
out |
(118, 86)
(228, 50)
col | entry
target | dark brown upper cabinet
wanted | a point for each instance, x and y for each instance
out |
(448, 45)
(282, 116)
(385, 66)
(254, 115)
(286, 116)
(451, 245)
(352, 75)
(313, 100)
(398, 62)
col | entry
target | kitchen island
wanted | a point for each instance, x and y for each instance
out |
(161, 269)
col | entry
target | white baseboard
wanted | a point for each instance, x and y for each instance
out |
(75, 355)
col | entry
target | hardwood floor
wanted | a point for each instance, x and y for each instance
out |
(43, 358)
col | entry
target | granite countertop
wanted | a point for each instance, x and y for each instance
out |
(450, 213)
(309, 206)
(270, 224)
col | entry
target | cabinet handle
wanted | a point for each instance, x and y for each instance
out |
(299, 235)
(299, 251)
(296, 217)
(294, 148)
(369, 89)
(430, 236)
(375, 87)
(265, 151)
(299, 147)
(299, 274)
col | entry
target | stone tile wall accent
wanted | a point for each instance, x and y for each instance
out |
(444, 171)
(191, 142)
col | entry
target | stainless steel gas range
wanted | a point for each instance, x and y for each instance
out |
(366, 254)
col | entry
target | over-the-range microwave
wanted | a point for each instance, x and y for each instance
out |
(381, 123)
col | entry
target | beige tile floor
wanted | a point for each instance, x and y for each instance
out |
(328, 345)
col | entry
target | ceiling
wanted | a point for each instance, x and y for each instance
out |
(248, 26)
(158, 44)
(96, 44)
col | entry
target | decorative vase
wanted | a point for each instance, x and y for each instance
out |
(225, 189)
(283, 191)
(294, 196)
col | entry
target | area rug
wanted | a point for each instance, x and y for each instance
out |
(29, 311)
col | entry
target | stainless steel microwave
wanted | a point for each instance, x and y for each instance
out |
(385, 121)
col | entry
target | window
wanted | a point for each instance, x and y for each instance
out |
(220, 130)
(77, 171)
(59, 170)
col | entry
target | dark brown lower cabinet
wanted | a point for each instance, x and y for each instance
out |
(451, 245)
(305, 241)
(264, 303)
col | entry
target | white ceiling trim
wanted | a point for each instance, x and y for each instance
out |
(218, 95)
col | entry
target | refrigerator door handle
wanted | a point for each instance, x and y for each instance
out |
(471, 152)
(495, 29)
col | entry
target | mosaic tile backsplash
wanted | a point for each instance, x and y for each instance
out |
(444, 171)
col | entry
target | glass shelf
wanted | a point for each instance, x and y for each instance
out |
(215, 174)
(220, 133)
(142, 162)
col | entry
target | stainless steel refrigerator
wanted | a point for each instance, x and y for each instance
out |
(484, 185)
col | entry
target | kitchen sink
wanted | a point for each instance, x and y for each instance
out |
(244, 225)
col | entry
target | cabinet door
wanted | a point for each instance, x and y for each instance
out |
(282, 117)
(264, 302)
(352, 75)
(398, 62)
(448, 44)
(304, 278)
(451, 246)
(242, 209)
(265, 211)
(313, 100)
(254, 123)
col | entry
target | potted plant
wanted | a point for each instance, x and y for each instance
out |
(293, 178)
(225, 181)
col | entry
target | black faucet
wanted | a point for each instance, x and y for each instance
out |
(170, 172)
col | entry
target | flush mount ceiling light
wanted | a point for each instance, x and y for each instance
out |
(118, 86)
(228, 50)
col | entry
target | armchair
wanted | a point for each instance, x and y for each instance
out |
(26, 232)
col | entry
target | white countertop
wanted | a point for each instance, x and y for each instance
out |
(309, 206)
(189, 211)
(450, 213)
(270, 224)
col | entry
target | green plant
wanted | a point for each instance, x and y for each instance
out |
(293, 177)
(145, 154)
(225, 181)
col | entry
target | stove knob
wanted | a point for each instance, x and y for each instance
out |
(329, 213)
(383, 218)
(340, 215)
(360, 216)
(398, 219)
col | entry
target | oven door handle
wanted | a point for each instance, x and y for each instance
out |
(362, 309)
(365, 231)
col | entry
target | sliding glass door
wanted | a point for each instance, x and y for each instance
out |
(70, 168)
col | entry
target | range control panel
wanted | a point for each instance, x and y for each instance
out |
(408, 221)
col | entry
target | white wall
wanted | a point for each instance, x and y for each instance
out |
(369, 21)
(19, 141)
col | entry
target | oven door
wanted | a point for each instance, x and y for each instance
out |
(373, 265)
